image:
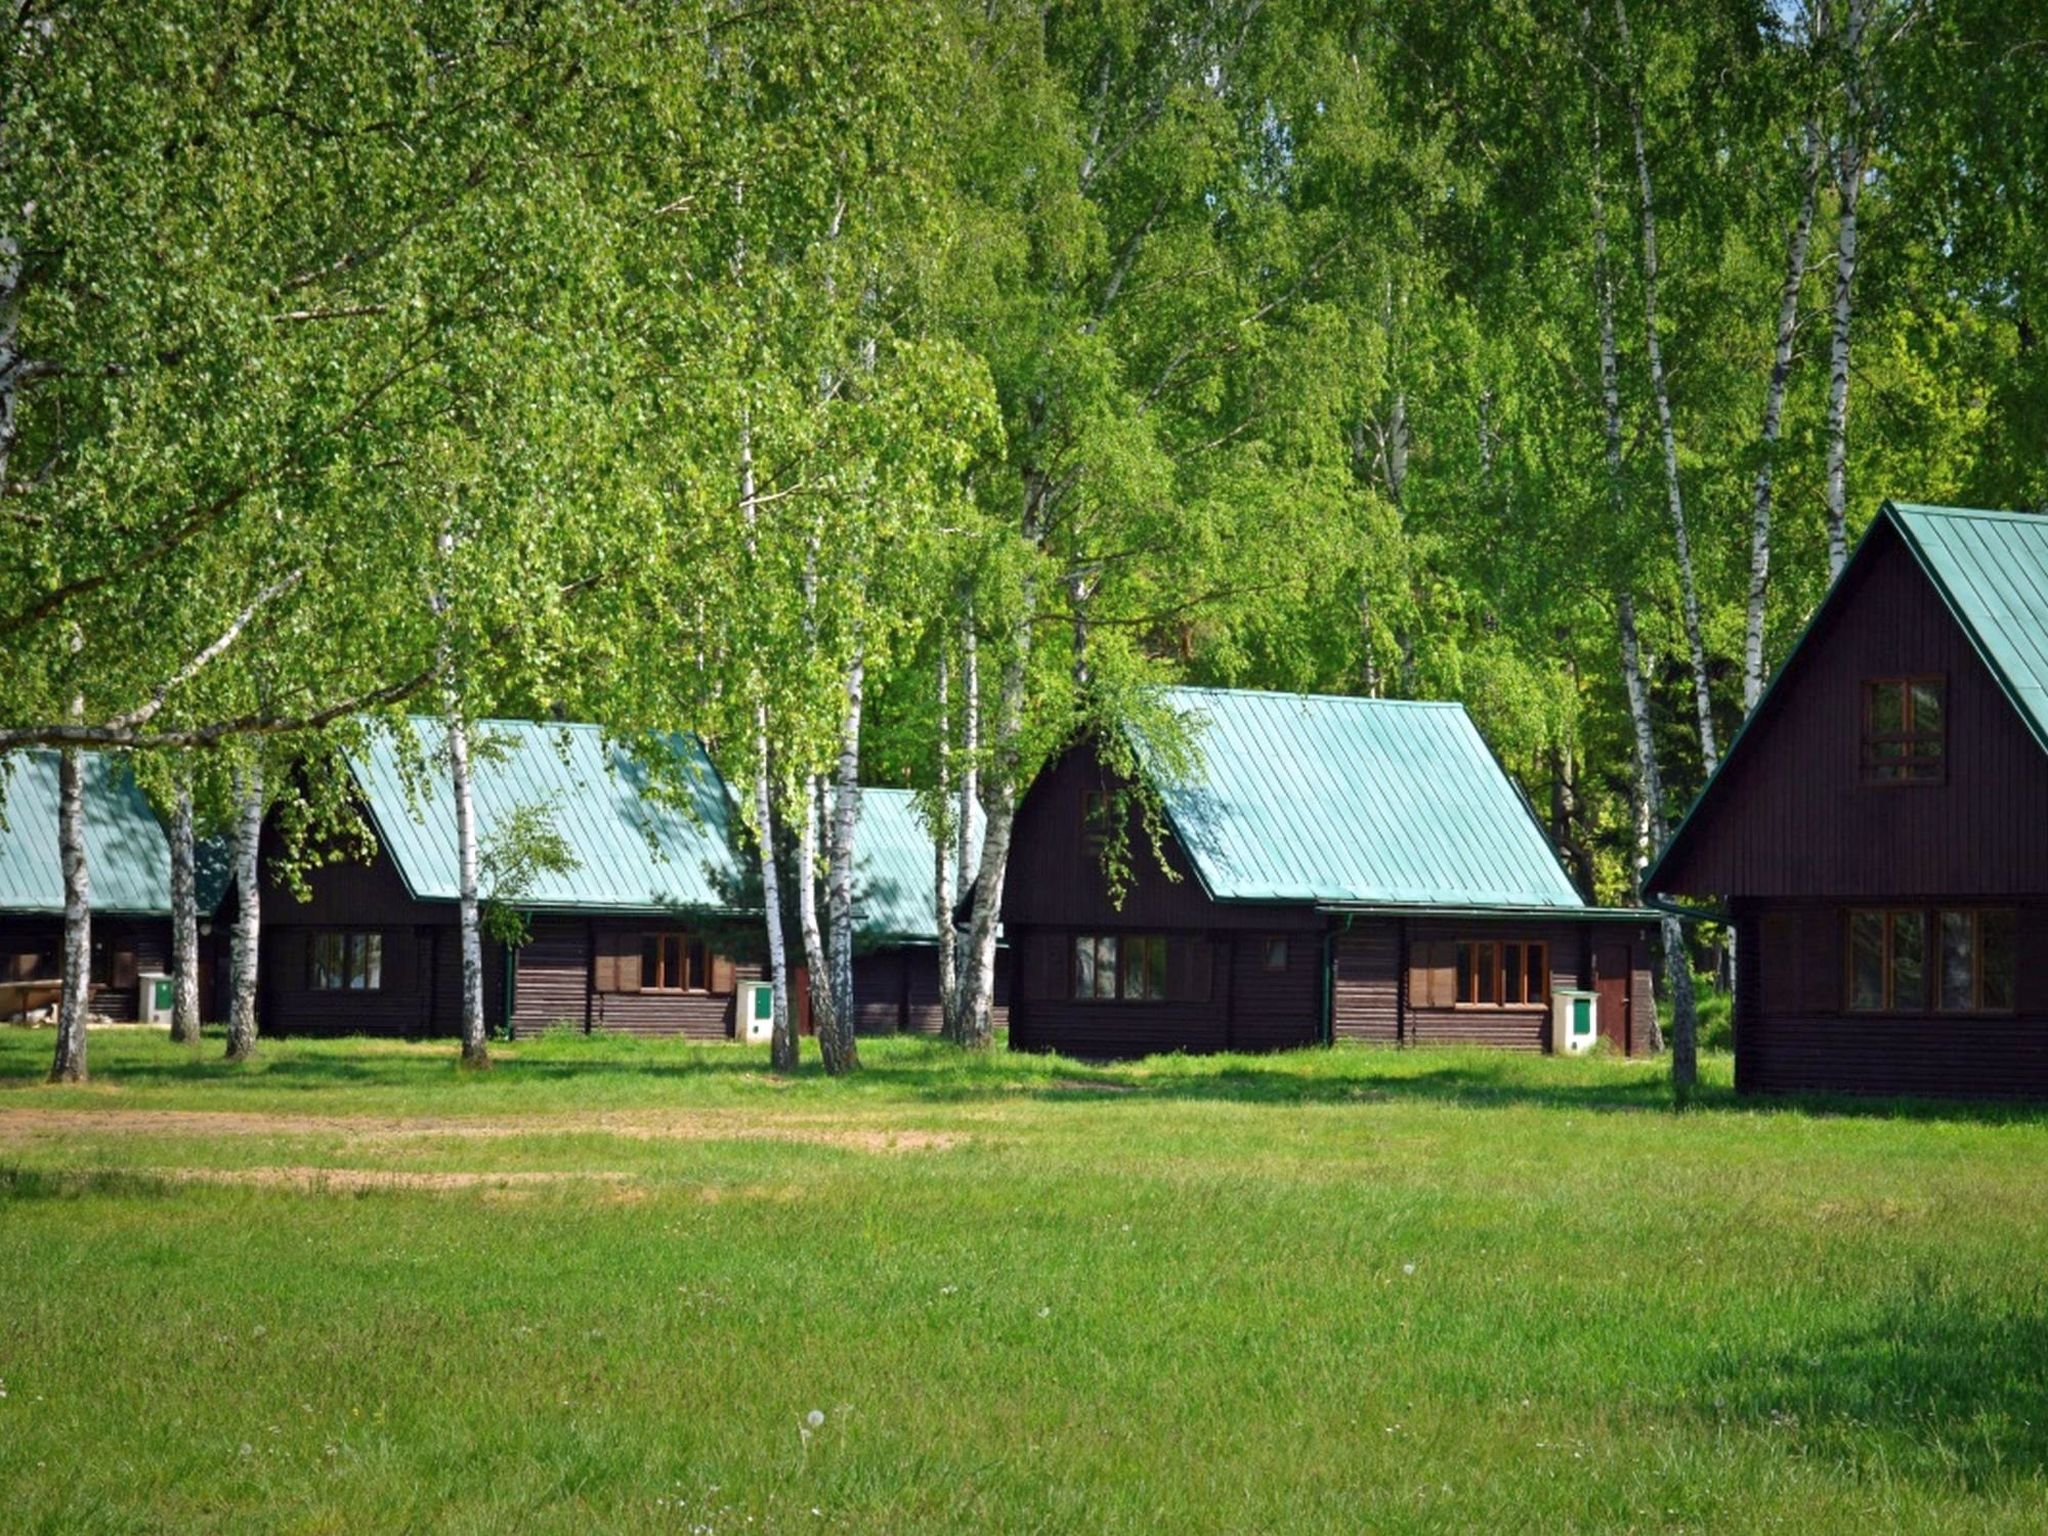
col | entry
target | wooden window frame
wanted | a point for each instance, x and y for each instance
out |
(1149, 944)
(1097, 811)
(696, 979)
(1871, 739)
(1930, 962)
(1276, 944)
(1498, 970)
(356, 946)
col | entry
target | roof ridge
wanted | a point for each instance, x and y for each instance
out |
(1995, 514)
(1317, 698)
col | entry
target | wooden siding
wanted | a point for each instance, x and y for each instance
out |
(552, 987)
(1369, 982)
(1055, 879)
(1794, 1035)
(1274, 1009)
(1791, 817)
(881, 992)
(1366, 980)
(32, 948)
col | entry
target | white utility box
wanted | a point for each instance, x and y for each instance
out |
(754, 1016)
(1574, 1022)
(155, 997)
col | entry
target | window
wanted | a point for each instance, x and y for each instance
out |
(1276, 952)
(1479, 973)
(1903, 730)
(1124, 968)
(1973, 966)
(1097, 818)
(672, 962)
(346, 962)
(1887, 961)
(1508, 974)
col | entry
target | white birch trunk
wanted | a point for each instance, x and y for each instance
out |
(1849, 186)
(11, 360)
(782, 1048)
(1677, 963)
(69, 1064)
(1688, 590)
(817, 967)
(246, 948)
(1648, 777)
(476, 1051)
(943, 850)
(1796, 246)
(999, 800)
(843, 1053)
(184, 923)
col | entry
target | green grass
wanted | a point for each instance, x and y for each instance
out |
(1342, 1290)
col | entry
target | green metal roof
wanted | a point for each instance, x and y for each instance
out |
(636, 850)
(894, 878)
(1991, 572)
(128, 858)
(1359, 802)
(1991, 568)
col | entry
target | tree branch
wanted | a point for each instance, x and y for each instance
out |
(206, 654)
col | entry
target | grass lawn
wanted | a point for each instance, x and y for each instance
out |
(604, 1285)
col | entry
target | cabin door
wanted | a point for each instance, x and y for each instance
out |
(1612, 973)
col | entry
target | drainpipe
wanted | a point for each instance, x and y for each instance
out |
(1330, 980)
(511, 983)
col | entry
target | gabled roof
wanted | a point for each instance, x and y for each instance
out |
(894, 876)
(1990, 570)
(1356, 802)
(895, 890)
(635, 849)
(128, 858)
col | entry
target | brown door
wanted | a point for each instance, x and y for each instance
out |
(1611, 971)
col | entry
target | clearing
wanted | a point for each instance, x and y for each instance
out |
(612, 1283)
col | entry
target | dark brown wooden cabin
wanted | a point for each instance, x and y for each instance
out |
(1335, 869)
(128, 863)
(634, 938)
(1879, 830)
(645, 936)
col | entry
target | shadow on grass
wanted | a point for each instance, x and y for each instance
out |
(926, 1070)
(1936, 1385)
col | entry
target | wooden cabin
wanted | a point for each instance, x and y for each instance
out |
(128, 863)
(1335, 869)
(637, 936)
(653, 932)
(1879, 831)
(896, 959)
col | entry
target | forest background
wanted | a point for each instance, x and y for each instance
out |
(892, 392)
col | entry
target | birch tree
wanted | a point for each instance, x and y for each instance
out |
(1850, 159)
(246, 948)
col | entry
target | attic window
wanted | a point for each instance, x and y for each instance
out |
(1096, 818)
(1904, 730)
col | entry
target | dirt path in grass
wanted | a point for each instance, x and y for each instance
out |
(371, 1130)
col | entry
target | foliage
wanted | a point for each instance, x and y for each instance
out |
(521, 846)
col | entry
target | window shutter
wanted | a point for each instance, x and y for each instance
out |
(1432, 973)
(626, 955)
(1190, 963)
(618, 961)
(722, 975)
